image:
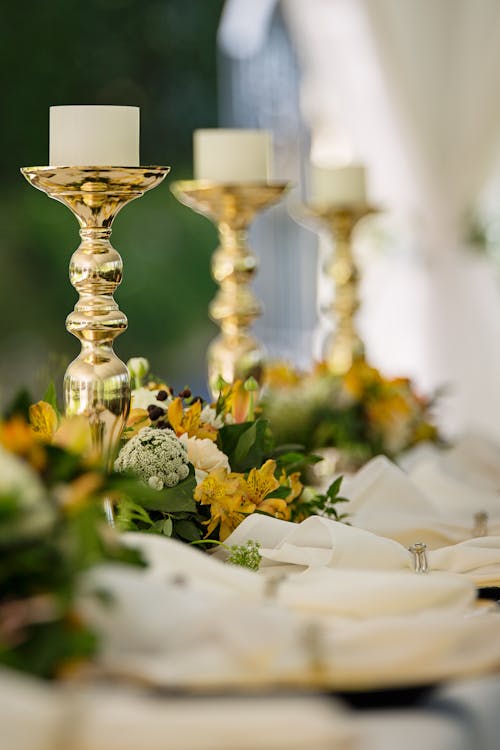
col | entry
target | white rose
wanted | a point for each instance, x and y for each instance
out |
(204, 455)
(34, 513)
(143, 397)
(209, 416)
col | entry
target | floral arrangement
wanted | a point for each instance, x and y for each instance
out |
(208, 466)
(361, 413)
(52, 529)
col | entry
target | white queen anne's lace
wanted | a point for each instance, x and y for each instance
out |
(156, 456)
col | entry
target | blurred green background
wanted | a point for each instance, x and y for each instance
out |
(159, 55)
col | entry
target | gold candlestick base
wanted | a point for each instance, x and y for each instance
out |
(344, 346)
(97, 382)
(235, 353)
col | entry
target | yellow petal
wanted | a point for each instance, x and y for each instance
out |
(43, 420)
(262, 481)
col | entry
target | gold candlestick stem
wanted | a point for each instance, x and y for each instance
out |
(344, 346)
(234, 353)
(96, 383)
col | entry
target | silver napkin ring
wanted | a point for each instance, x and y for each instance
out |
(420, 562)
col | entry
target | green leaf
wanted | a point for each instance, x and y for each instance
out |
(280, 492)
(50, 396)
(244, 444)
(165, 527)
(172, 499)
(334, 488)
(188, 530)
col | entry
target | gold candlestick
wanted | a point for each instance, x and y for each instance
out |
(234, 353)
(344, 345)
(97, 382)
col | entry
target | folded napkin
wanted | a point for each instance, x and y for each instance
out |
(127, 721)
(31, 713)
(320, 542)
(452, 497)
(172, 560)
(476, 460)
(373, 593)
(35, 715)
(386, 501)
(169, 627)
(433, 646)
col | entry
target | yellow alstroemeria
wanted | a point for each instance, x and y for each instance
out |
(74, 435)
(187, 421)
(17, 436)
(225, 494)
(293, 482)
(261, 482)
(43, 420)
(276, 507)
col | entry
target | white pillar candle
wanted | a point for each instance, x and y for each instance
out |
(100, 136)
(337, 185)
(232, 155)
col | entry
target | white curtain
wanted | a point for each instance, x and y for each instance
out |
(411, 87)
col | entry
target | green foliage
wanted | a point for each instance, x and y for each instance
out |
(313, 503)
(245, 444)
(246, 555)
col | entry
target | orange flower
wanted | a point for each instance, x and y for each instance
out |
(225, 494)
(188, 421)
(17, 436)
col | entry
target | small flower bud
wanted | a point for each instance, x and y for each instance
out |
(138, 368)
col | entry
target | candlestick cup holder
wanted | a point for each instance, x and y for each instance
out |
(96, 383)
(235, 353)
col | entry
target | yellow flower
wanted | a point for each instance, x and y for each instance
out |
(77, 492)
(137, 419)
(225, 494)
(281, 375)
(74, 435)
(360, 378)
(188, 421)
(292, 481)
(17, 436)
(239, 399)
(276, 507)
(43, 420)
(261, 482)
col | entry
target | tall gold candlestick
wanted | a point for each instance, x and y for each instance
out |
(96, 383)
(344, 345)
(234, 353)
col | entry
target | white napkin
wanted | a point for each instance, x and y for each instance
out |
(168, 632)
(451, 497)
(31, 713)
(172, 560)
(373, 593)
(321, 542)
(125, 721)
(414, 650)
(476, 460)
(386, 501)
